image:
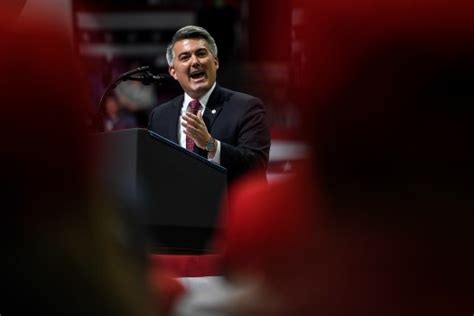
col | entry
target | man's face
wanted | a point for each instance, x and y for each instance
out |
(194, 66)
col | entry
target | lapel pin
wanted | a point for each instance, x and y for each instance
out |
(213, 111)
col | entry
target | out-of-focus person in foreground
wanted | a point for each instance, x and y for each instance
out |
(64, 249)
(380, 221)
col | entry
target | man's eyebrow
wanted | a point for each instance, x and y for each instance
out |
(187, 52)
(183, 53)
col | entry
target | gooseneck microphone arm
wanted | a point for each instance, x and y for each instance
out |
(116, 82)
(145, 76)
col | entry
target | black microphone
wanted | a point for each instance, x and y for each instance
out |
(148, 78)
(127, 74)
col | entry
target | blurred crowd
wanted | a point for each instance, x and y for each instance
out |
(378, 220)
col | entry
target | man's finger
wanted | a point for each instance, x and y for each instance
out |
(189, 117)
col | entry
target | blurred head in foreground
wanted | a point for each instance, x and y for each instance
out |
(389, 104)
(387, 108)
(62, 249)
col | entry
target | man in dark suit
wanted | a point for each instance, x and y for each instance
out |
(227, 127)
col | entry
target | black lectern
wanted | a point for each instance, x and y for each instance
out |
(175, 193)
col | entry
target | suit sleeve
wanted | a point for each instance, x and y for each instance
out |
(253, 142)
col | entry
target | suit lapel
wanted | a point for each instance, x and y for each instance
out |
(174, 121)
(214, 106)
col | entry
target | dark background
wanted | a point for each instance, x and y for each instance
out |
(115, 36)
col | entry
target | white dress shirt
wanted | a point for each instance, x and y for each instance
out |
(182, 137)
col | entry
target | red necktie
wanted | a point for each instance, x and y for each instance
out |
(193, 107)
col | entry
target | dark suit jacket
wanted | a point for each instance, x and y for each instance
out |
(239, 123)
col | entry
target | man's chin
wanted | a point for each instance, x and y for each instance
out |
(199, 83)
(200, 87)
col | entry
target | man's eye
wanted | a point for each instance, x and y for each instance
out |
(183, 57)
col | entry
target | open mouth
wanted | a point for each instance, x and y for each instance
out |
(196, 75)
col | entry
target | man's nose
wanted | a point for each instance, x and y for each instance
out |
(195, 60)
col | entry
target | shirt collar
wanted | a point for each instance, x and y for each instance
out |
(203, 100)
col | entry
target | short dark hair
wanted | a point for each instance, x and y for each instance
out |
(190, 31)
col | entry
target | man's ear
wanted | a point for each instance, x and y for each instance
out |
(216, 62)
(172, 72)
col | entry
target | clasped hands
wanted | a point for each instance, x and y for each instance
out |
(194, 127)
